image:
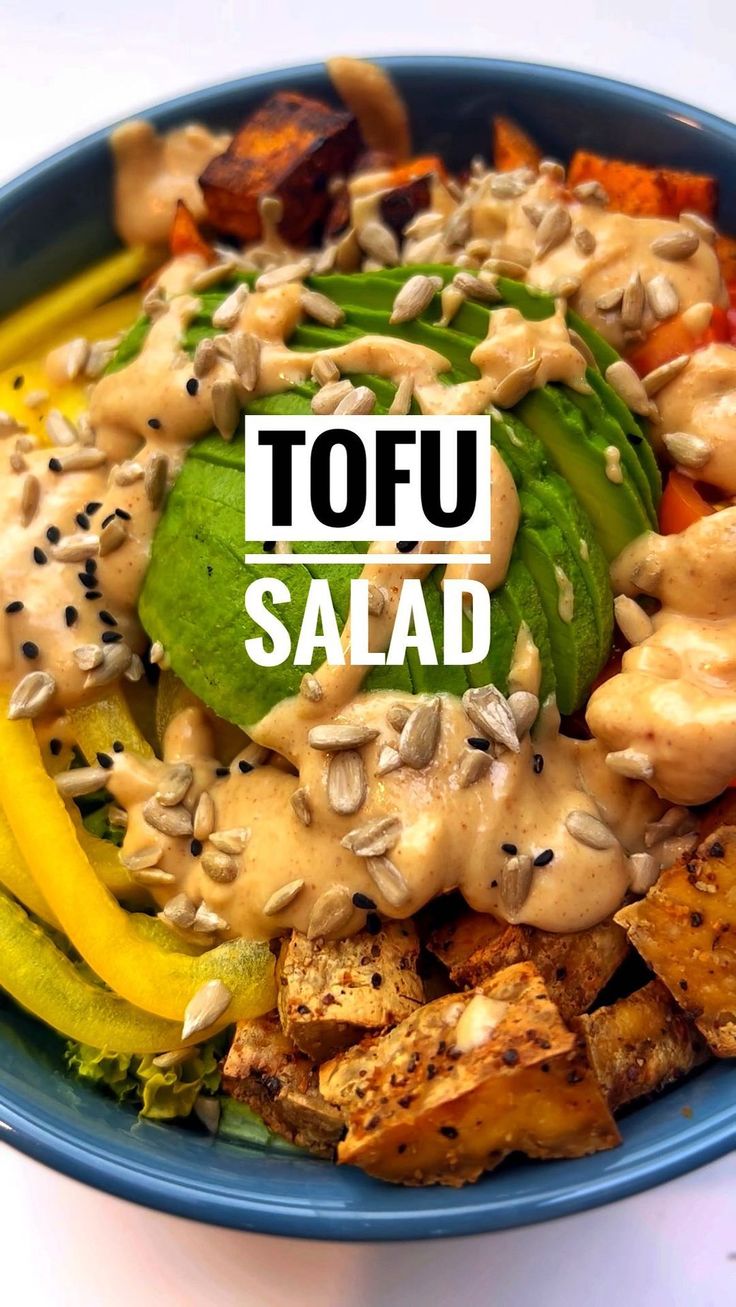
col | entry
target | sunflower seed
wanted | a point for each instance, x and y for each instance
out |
(388, 880)
(173, 788)
(204, 817)
(245, 352)
(154, 302)
(554, 228)
(551, 168)
(610, 300)
(220, 867)
(632, 304)
(225, 408)
(141, 859)
(357, 401)
(535, 212)
(332, 910)
(687, 450)
(207, 1006)
(622, 378)
(117, 660)
(458, 227)
(134, 671)
(379, 242)
(154, 479)
(414, 297)
(117, 817)
(632, 763)
(75, 548)
(634, 624)
(515, 882)
(152, 876)
(17, 462)
(169, 821)
(509, 185)
(346, 253)
(325, 370)
(332, 393)
(644, 871)
(590, 193)
(474, 288)
(398, 715)
(302, 806)
(505, 268)
(424, 224)
(281, 898)
(671, 850)
(112, 536)
(283, 276)
(584, 240)
(376, 600)
(346, 782)
(80, 780)
(524, 708)
(589, 830)
(179, 911)
(675, 821)
(208, 1112)
(452, 300)
(205, 357)
(226, 314)
(126, 474)
(88, 656)
(388, 760)
(156, 654)
(231, 841)
(332, 738)
(680, 245)
(420, 735)
(59, 429)
(30, 496)
(401, 402)
(310, 688)
(374, 839)
(472, 766)
(660, 377)
(489, 711)
(663, 297)
(517, 384)
(700, 225)
(206, 921)
(81, 460)
(321, 308)
(213, 275)
(565, 287)
(583, 348)
(31, 695)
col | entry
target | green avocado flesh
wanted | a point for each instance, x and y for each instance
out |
(574, 519)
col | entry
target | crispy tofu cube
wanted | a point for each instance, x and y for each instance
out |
(575, 967)
(331, 994)
(685, 929)
(465, 1081)
(640, 1044)
(289, 148)
(265, 1070)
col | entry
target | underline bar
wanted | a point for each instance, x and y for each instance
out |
(360, 560)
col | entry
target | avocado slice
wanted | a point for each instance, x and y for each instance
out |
(520, 601)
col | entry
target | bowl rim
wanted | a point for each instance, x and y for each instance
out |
(37, 1130)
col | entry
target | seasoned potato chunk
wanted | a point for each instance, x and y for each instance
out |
(266, 1071)
(685, 929)
(466, 1080)
(575, 967)
(640, 1044)
(332, 993)
(289, 148)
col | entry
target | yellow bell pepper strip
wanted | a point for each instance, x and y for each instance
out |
(96, 725)
(35, 973)
(30, 326)
(100, 930)
(15, 876)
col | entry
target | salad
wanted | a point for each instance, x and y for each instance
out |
(413, 918)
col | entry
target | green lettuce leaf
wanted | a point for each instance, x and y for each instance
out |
(159, 1093)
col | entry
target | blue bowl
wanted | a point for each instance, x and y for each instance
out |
(54, 220)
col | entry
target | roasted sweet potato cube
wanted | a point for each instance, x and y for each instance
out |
(289, 148)
(332, 993)
(575, 966)
(643, 191)
(685, 929)
(640, 1044)
(466, 1080)
(512, 147)
(185, 236)
(265, 1070)
(726, 251)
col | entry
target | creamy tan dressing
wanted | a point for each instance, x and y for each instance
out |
(701, 401)
(152, 172)
(675, 699)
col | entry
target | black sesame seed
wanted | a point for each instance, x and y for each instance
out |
(431, 1070)
(90, 566)
(406, 546)
(29, 649)
(53, 535)
(303, 1010)
(510, 1056)
(15, 607)
(634, 439)
(55, 747)
(511, 849)
(105, 760)
(192, 386)
(245, 767)
(86, 580)
(376, 980)
(107, 618)
(39, 556)
(449, 1131)
(117, 746)
(195, 848)
(683, 985)
(70, 615)
(107, 520)
(696, 919)
(477, 742)
(538, 764)
(362, 901)
(222, 771)
(716, 849)
(93, 594)
(55, 465)
(373, 923)
(82, 521)
(18, 381)
(154, 424)
(544, 858)
(111, 637)
(93, 506)
(123, 513)
(269, 546)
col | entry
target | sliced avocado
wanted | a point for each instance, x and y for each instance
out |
(494, 669)
(519, 598)
(602, 421)
(635, 433)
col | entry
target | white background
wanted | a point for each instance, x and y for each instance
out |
(65, 68)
